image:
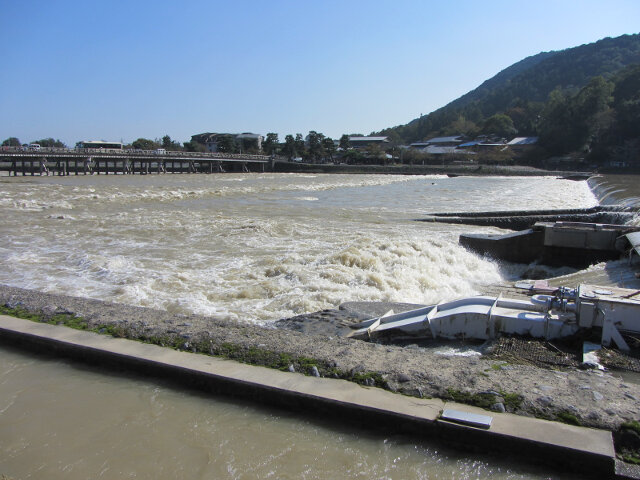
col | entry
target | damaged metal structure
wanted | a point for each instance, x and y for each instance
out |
(560, 313)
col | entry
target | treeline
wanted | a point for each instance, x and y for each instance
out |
(602, 120)
(139, 144)
(165, 142)
(314, 148)
(45, 142)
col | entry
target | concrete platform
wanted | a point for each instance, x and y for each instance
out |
(568, 447)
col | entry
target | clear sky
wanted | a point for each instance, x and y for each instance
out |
(123, 69)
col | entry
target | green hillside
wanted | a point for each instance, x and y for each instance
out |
(515, 100)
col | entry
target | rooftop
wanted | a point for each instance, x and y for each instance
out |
(457, 138)
(523, 141)
(368, 139)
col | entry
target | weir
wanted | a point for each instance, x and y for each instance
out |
(572, 244)
(523, 219)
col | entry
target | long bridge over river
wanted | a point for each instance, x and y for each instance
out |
(87, 161)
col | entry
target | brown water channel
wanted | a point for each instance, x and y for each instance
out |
(63, 420)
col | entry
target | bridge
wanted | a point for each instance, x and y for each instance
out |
(88, 161)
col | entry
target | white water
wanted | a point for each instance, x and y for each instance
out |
(256, 247)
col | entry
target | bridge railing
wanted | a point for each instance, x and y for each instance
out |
(133, 152)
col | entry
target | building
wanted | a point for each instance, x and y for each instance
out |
(438, 145)
(98, 144)
(250, 138)
(523, 141)
(452, 141)
(520, 143)
(242, 141)
(362, 142)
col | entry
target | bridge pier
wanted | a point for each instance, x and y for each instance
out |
(43, 166)
(62, 168)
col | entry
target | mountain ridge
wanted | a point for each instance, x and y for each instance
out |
(526, 82)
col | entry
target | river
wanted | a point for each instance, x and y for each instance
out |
(64, 421)
(247, 247)
(256, 247)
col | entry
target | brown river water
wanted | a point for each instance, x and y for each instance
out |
(65, 421)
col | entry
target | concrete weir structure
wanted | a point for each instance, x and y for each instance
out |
(572, 448)
(572, 244)
(523, 219)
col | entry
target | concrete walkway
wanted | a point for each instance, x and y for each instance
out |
(568, 447)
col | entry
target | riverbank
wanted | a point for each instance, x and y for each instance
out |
(586, 397)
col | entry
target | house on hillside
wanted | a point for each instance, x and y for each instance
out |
(437, 144)
(452, 141)
(442, 150)
(362, 142)
(484, 142)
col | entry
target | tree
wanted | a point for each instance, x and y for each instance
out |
(11, 142)
(194, 147)
(144, 144)
(555, 122)
(329, 147)
(571, 123)
(270, 143)
(353, 156)
(525, 116)
(247, 145)
(316, 150)
(169, 144)
(594, 98)
(344, 142)
(627, 102)
(499, 124)
(376, 154)
(226, 144)
(300, 149)
(50, 142)
(463, 126)
(289, 147)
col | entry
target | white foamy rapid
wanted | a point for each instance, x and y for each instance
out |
(255, 247)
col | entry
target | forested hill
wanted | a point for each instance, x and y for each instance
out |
(520, 90)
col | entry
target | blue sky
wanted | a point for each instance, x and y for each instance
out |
(119, 70)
